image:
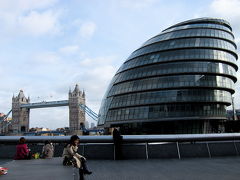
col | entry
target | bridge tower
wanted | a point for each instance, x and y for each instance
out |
(20, 116)
(76, 114)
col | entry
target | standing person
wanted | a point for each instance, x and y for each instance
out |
(22, 150)
(70, 153)
(117, 139)
(48, 150)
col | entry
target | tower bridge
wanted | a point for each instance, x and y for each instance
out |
(21, 112)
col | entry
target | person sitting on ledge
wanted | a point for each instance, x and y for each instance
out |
(22, 150)
(71, 155)
(48, 150)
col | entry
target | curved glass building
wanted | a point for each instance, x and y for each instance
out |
(179, 81)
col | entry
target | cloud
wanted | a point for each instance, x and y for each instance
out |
(29, 17)
(48, 75)
(87, 29)
(69, 49)
(136, 4)
(92, 74)
(25, 5)
(95, 76)
(46, 58)
(98, 61)
(228, 8)
(36, 23)
(50, 117)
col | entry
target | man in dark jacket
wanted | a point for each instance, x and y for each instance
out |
(117, 139)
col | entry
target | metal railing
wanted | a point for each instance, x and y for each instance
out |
(141, 146)
(128, 138)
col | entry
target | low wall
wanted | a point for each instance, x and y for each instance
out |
(141, 150)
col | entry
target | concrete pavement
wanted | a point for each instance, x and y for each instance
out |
(167, 169)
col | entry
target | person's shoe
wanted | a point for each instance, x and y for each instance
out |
(87, 172)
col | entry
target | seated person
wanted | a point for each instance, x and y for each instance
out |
(22, 150)
(48, 150)
(70, 155)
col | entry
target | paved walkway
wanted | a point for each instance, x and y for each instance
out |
(169, 169)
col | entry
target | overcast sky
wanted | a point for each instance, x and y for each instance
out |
(47, 46)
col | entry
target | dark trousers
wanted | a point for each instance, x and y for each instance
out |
(28, 156)
(81, 174)
(118, 150)
(84, 164)
(83, 168)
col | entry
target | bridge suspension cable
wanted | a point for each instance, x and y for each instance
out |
(6, 116)
(3, 119)
(89, 112)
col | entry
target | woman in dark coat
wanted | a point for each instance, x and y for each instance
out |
(22, 150)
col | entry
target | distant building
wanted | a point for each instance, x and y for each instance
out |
(4, 129)
(45, 132)
(2, 115)
(86, 124)
(236, 115)
(233, 122)
(92, 125)
(37, 129)
(60, 129)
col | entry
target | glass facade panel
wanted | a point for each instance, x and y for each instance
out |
(172, 82)
(171, 96)
(180, 55)
(212, 33)
(165, 111)
(185, 43)
(177, 68)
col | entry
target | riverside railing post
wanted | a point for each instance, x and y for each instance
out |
(146, 147)
(84, 149)
(179, 155)
(209, 153)
(235, 147)
(114, 152)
